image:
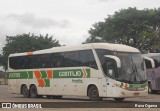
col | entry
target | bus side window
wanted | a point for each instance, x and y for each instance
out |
(148, 64)
(87, 59)
(14, 62)
(157, 64)
(56, 60)
(110, 68)
(71, 59)
(34, 61)
(44, 61)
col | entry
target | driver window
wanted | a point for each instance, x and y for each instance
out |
(110, 68)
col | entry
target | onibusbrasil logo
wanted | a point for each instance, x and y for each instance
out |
(21, 105)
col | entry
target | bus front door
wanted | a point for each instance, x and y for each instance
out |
(111, 72)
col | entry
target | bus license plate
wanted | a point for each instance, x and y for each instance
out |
(136, 94)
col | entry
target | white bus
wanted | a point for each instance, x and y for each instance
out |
(96, 70)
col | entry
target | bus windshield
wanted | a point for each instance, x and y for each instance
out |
(132, 68)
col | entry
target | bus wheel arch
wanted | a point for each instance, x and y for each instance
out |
(150, 90)
(93, 93)
(24, 90)
(33, 91)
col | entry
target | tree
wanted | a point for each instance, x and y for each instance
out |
(26, 43)
(133, 27)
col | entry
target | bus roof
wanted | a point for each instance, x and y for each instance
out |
(108, 46)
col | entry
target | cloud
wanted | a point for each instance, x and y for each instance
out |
(13, 24)
(29, 19)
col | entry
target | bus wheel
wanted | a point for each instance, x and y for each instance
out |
(119, 99)
(57, 97)
(25, 91)
(150, 90)
(33, 91)
(49, 96)
(94, 94)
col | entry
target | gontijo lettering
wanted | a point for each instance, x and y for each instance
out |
(70, 73)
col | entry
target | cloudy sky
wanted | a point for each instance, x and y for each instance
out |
(67, 20)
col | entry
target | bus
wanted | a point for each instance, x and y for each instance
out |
(95, 70)
(153, 72)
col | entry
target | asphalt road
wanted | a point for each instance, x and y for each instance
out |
(72, 101)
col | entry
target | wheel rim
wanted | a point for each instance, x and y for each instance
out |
(94, 93)
(24, 90)
(149, 89)
(33, 92)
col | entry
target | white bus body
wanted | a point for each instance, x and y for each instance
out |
(96, 70)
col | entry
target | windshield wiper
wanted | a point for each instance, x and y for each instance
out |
(135, 72)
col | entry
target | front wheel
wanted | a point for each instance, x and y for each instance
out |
(119, 99)
(94, 94)
(33, 91)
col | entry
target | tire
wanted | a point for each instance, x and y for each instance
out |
(33, 91)
(150, 90)
(94, 94)
(119, 99)
(49, 96)
(57, 97)
(25, 91)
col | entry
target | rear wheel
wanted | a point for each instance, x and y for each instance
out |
(33, 91)
(25, 91)
(119, 99)
(94, 94)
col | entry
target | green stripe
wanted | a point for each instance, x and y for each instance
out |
(47, 82)
(138, 85)
(44, 74)
(134, 85)
(74, 73)
(30, 74)
(20, 75)
(88, 72)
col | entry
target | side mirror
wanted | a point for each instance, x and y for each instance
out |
(118, 61)
(149, 61)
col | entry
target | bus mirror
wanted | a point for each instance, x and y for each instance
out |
(118, 61)
(149, 62)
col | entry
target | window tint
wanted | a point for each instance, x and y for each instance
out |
(22, 62)
(14, 62)
(71, 59)
(109, 67)
(87, 59)
(55, 60)
(101, 53)
(44, 61)
(148, 64)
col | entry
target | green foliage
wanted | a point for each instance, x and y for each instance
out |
(133, 27)
(26, 43)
